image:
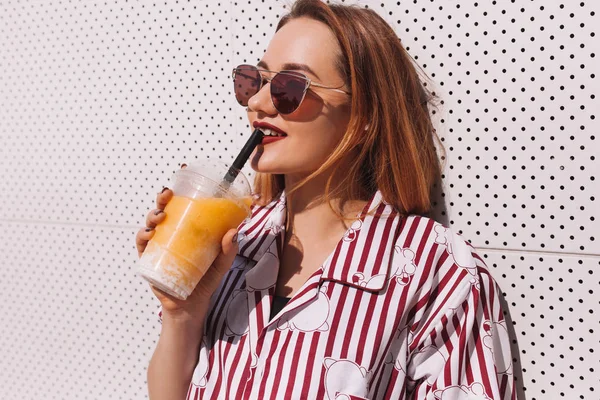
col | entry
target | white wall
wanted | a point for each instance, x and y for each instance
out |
(100, 101)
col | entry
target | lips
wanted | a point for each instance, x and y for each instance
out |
(271, 139)
(271, 132)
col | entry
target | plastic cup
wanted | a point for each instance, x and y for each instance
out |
(188, 241)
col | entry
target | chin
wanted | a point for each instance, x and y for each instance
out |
(274, 171)
(265, 167)
(279, 165)
(275, 168)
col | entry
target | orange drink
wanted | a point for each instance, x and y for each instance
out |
(188, 240)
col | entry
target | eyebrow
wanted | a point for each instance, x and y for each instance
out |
(291, 67)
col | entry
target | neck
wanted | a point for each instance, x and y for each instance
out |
(308, 211)
(313, 230)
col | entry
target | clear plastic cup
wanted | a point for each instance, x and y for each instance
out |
(201, 211)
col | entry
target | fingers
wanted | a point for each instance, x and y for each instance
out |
(229, 249)
(157, 292)
(165, 195)
(160, 295)
(211, 280)
(142, 238)
(163, 198)
(154, 218)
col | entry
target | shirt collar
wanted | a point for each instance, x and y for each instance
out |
(361, 258)
(265, 225)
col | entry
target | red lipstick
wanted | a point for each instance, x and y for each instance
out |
(272, 133)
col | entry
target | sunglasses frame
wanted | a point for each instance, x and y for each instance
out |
(296, 74)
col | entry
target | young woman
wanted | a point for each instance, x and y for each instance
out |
(339, 286)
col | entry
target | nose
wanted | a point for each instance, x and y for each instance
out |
(261, 101)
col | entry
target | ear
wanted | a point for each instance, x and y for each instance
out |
(409, 254)
(282, 324)
(328, 362)
(477, 388)
(363, 371)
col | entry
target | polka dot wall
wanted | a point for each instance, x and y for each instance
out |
(100, 102)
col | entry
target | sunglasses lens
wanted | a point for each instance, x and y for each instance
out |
(246, 83)
(287, 91)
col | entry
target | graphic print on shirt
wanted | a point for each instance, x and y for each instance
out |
(310, 317)
(376, 281)
(398, 352)
(345, 377)
(264, 274)
(343, 396)
(236, 317)
(402, 269)
(276, 225)
(403, 265)
(201, 370)
(351, 234)
(426, 363)
(240, 263)
(459, 249)
(462, 392)
(259, 281)
(495, 340)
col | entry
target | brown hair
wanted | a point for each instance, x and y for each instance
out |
(390, 131)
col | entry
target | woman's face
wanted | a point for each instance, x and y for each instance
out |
(317, 126)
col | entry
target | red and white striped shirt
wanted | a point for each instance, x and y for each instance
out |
(403, 308)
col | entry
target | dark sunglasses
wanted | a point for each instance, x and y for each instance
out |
(288, 88)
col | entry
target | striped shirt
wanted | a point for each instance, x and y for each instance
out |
(402, 308)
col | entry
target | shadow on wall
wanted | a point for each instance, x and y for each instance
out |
(439, 213)
(514, 347)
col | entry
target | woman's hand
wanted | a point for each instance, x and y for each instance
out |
(194, 308)
(153, 218)
(196, 305)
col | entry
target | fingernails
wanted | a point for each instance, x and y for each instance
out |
(235, 237)
(158, 212)
(163, 189)
(149, 229)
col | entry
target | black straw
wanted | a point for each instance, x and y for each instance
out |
(241, 159)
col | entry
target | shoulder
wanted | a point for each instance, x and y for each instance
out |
(437, 251)
(442, 270)
(425, 235)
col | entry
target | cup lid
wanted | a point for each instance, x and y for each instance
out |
(215, 170)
